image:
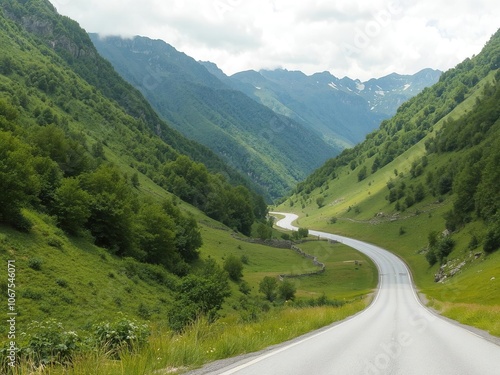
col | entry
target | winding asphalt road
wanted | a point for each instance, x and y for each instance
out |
(395, 335)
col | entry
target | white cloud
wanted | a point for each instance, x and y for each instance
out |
(356, 38)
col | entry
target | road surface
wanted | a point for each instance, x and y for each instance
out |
(395, 335)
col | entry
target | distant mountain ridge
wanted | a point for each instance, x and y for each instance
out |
(275, 152)
(342, 109)
(285, 125)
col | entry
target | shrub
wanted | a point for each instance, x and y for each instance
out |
(62, 283)
(244, 287)
(286, 291)
(234, 267)
(438, 248)
(35, 264)
(199, 295)
(49, 343)
(320, 201)
(492, 240)
(181, 315)
(123, 334)
(244, 259)
(268, 287)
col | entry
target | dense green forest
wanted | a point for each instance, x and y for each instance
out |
(57, 132)
(72, 45)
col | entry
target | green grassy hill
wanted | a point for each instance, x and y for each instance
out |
(117, 233)
(425, 186)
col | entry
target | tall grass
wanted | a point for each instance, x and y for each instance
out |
(170, 353)
(480, 316)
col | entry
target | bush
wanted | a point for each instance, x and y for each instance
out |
(49, 343)
(20, 222)
(181, 315)
(123, 334)
(320, 301)
(62, 283)
(234, 267)
(244, 287)
(35, 264)
(286, 291)
(492, 240)
(199, 295)
(268, 287)
(438, 248)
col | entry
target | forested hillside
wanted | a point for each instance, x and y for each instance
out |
(425, 185)
(413, 121)
(103, 210)
(72, 44)
(51, 111)
(275, 152)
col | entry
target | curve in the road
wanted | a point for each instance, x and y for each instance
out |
(395, 335)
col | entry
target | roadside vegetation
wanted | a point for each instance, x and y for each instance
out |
(425, 186)
(127, 312)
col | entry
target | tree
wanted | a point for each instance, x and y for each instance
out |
(199, 295)
(492, 239)
(71, 206)
(234, 267)
(241, 216)
(156, 234)
(268, 287)
(112, 211)
(187, 234)
(286, 290)
(320, 201)
(362, 173)
(19, 184)
(303, 232)
(135, 180)
(264, 231)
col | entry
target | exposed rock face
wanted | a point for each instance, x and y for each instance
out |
(448, 269)
(46, 28)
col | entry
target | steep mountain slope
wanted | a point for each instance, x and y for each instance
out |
(80, 173)
(72, 44)
(425, 185)
(343, 110)
(275, 152)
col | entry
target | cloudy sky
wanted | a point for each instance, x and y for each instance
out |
(356, 38)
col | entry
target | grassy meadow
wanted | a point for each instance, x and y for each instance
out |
(80, 285)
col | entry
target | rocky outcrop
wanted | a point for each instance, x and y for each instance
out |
(449, 269)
